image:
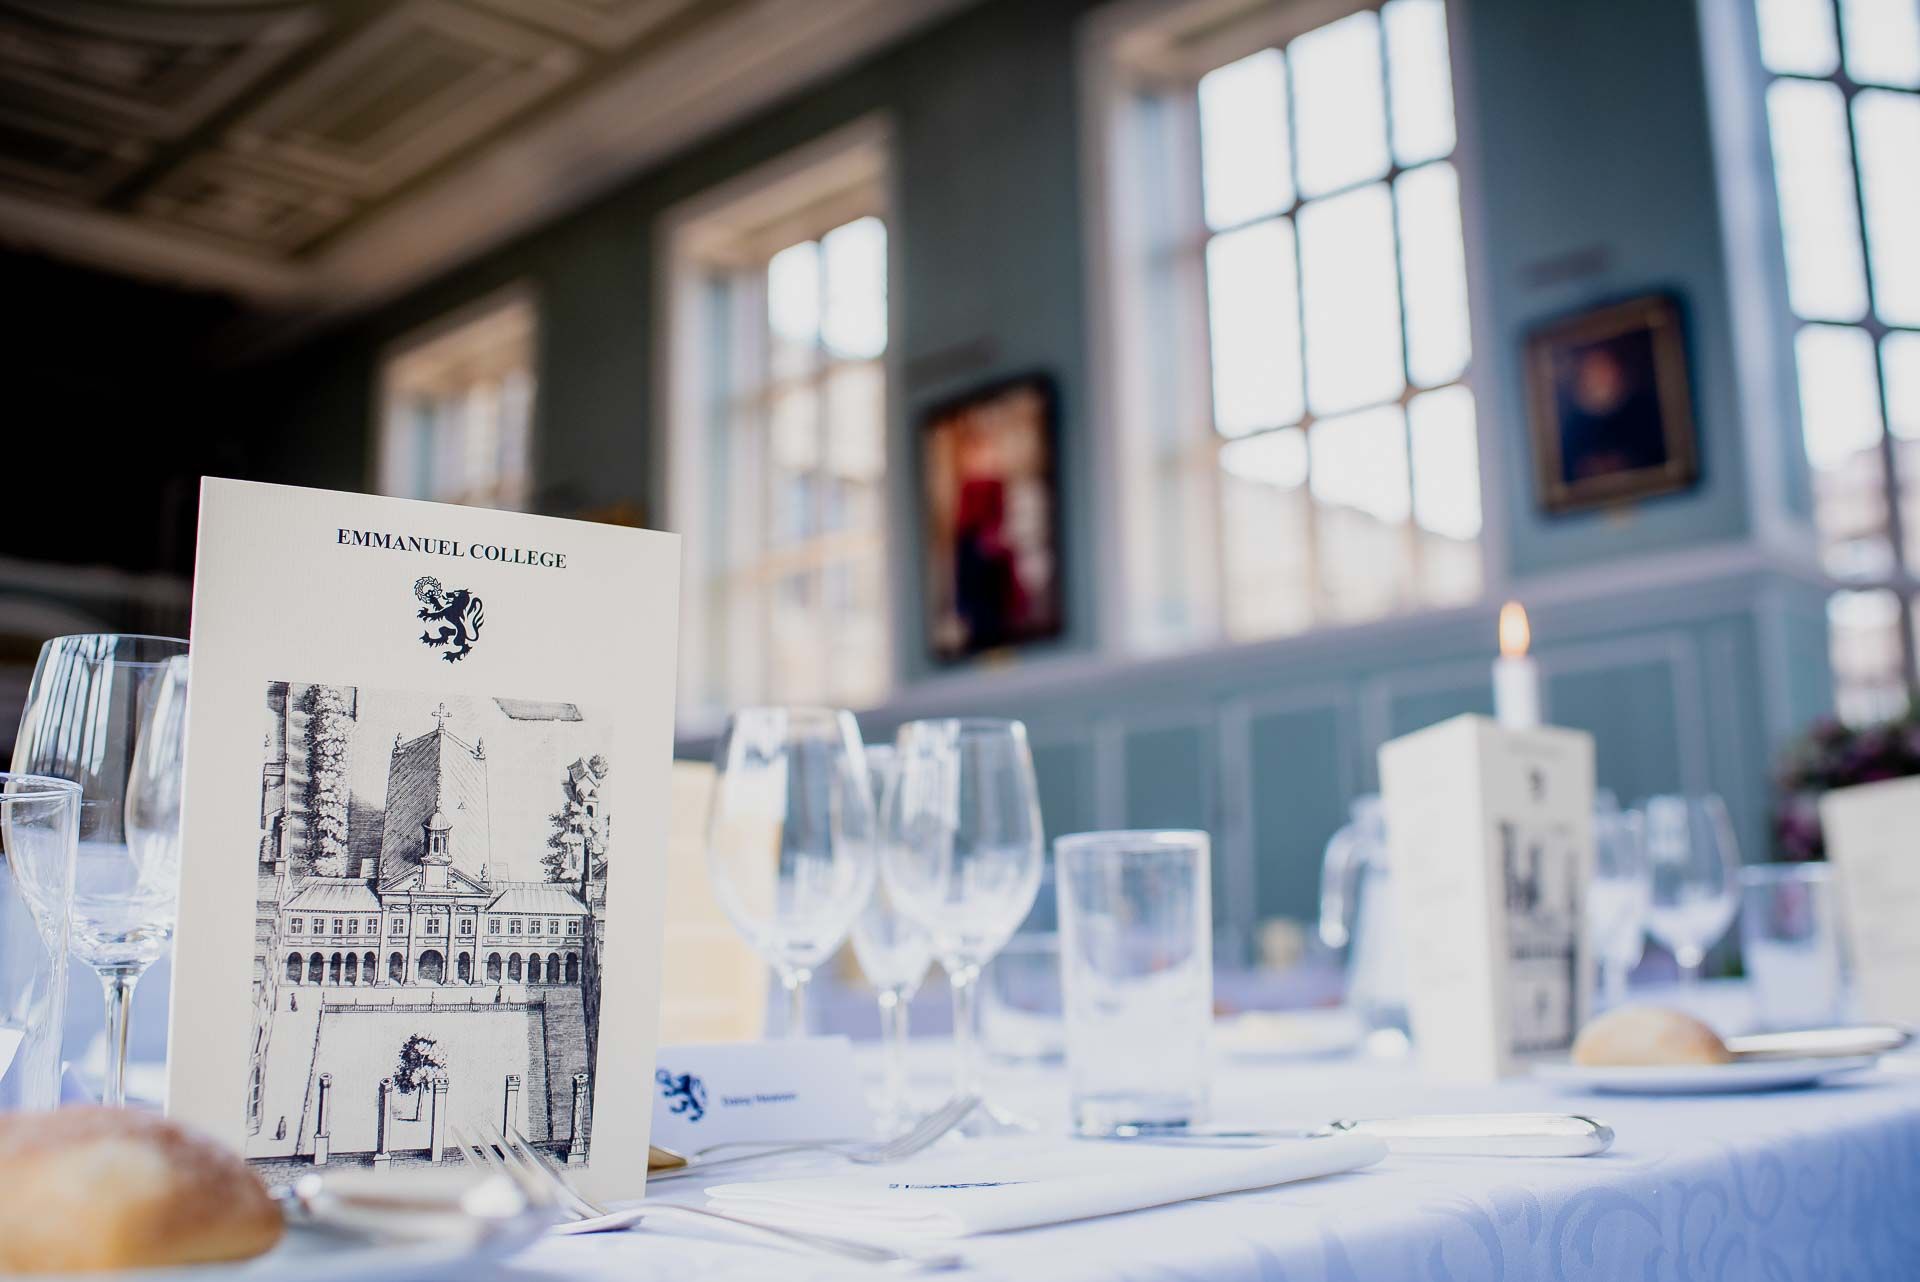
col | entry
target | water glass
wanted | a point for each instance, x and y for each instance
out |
(1790, 937)
(1136, 971)
(1693, 862)
(39, 829)
(88, 708)
(790, 838)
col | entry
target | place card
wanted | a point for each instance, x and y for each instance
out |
(1490, 836)
(797, 1089)
(1869, 833)
(426, 808)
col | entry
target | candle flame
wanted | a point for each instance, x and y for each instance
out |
(1515, 635)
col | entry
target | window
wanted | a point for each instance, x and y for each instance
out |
(353, 925)
(513, 926)
(1843, 110)
(1298, 447)
(778, 411)
(373, 925)
(336, 925)
(295, 925)
(553, 928)
(398, 926)
(457, 409)
(493, 925)
(573, 927)
(466, 925)
(533, 928)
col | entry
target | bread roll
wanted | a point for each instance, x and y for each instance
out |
(1648, 1036)
(100, 1188)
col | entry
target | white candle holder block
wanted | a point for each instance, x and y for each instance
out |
(1491, 838)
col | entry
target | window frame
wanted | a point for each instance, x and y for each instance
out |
(1901, 578)
(690, 238)
(1136, 50)
(520, 293)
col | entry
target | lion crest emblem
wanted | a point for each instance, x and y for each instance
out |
(457, 612)
(683, 1092)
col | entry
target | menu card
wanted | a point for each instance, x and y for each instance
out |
(427, 799)
(1870, 842)
(1490, 836)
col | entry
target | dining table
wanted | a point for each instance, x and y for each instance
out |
(1813, 1183)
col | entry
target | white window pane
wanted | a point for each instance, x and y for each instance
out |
(1839, 392)
(1253, 319)
(1351, 293)
(1266, 542)
(1433, 271)
(854, 319)
(1446, 463)
(793, 307)
(1813, 166)
(1246, 168)
(1887, 126)
(1797, 36)
(1360, 461)
(1421, 81)
(1339, 104)
(1900, 358)
(1276, 459)
(1883, 41)
(856, 421)
(1864, 640)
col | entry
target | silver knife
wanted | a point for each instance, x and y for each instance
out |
(1821, 1043)
(1457, 1134)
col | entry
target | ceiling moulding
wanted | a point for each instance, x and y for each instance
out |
(664, 100)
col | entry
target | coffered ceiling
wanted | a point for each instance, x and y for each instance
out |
(327, 152)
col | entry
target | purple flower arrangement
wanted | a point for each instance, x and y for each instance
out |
(1832, 755)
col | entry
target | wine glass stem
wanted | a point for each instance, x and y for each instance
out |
(1689, 960)
(964, 980)
(796, 984)
(893, 1031)
(118, 985)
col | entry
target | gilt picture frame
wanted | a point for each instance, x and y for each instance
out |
(1610, 406)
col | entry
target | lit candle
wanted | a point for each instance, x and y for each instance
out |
(1516, 677)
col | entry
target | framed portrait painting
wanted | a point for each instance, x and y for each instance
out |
(1610, 406)
(991, 494)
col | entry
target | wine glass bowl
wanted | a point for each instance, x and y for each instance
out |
(790, 837)
(90, 707)
(1619, 897)
(1693, 864)
(961, 853)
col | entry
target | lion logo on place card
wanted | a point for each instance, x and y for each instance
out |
(458, 612)
(686, 1093)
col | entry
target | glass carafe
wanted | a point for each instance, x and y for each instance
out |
(1357, 914)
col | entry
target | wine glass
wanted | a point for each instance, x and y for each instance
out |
(1618, 900)
(894, 952)
(1694, 868)
(961, 852)
(91, 698)
(790, 838)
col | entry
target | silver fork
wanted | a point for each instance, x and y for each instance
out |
(864, 1152)
(519, 1160)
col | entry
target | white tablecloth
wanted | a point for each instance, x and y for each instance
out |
(1799, 1185)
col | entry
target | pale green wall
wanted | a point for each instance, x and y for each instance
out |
(1585, 132)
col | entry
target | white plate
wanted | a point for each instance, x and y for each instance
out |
(310, 1255)
(1704, 1079)
(1288, 1034)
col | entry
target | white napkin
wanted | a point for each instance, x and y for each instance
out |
(990, 1187)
